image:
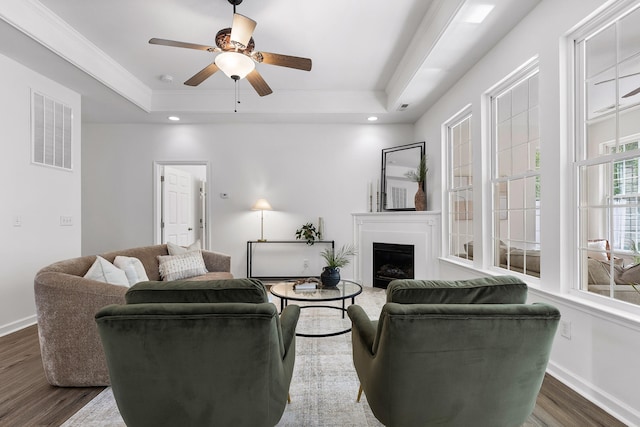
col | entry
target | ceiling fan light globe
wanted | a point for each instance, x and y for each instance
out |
(235, 64)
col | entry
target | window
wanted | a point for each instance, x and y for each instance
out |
(626, 230)
(460, 185)
(607, 135)
(515, 179)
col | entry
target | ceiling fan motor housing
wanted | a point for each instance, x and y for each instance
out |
(223, 41)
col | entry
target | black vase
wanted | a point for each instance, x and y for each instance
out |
(330, 277)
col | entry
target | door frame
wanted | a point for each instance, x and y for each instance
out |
(158, 166)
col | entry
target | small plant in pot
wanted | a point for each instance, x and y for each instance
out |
(308, 232)
(335, 260)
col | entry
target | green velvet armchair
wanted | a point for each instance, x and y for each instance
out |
(199, 364)
(477, 356)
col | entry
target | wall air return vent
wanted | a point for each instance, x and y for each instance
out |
(50, 132)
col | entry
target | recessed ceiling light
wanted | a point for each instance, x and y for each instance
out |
(372, 118)
(477, 13)
(174, 118)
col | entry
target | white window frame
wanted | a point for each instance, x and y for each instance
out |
(524, 72)
(576, 136)
(453, 187)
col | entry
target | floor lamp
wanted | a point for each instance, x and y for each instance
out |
(261, 205)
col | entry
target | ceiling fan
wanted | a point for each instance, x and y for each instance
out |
(236, 55)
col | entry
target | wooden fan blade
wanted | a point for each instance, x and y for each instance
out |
(286, 61)
(632, 93)
(174, 43)
(258, 83)
(202, 75)
(242, 29)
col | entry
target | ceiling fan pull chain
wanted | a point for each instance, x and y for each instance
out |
(237, 94)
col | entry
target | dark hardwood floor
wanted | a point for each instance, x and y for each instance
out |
(26, 399)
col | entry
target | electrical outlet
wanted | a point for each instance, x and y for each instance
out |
(305, 263)
(66, 221)
(565, 329)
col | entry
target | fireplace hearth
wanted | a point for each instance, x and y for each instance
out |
(392, 261)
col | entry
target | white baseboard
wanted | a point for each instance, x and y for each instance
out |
(17, 325)
(598, 397)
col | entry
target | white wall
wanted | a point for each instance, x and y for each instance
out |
(598, 359)
(304, 171)
(38, 195)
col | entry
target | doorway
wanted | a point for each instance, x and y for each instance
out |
(181, 203)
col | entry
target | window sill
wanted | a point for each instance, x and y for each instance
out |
(602, 307)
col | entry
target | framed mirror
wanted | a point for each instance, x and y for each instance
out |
(398, 190)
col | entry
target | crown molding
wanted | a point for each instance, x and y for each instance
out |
(282, 101)
(38, 22)
(433, 25)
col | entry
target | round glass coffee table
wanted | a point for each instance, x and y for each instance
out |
(344, 290)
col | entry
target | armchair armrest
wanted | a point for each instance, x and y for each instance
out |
(288, 321)
(363, 327)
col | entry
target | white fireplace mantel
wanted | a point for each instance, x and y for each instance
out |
(418, 228)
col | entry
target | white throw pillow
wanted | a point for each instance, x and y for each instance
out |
(177, 249)
(132, 267)
(183, 266)
(103, 271)
(598, 250)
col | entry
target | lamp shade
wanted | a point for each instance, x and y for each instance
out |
(235, 64)
(261, 205)
(242, 29)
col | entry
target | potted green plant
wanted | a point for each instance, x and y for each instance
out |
(335, 260)
(308, 232)
(420, 176)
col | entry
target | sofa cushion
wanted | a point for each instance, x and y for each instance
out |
(174, 249)
(486, 290)
(598, 249)
(468, 247)
(183, 266)
(213, 275)
(518, 258)
(132, 267)
(211, 291)
(103, 271)
(628, 276)
(598, 272)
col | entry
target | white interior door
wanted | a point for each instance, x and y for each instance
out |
(177, 202)
(202, 205)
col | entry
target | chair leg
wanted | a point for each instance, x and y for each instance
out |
(288, 397)
(359, 394)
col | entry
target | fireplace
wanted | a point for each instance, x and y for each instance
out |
(392, 261)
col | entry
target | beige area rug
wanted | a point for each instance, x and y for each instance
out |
(324, 385)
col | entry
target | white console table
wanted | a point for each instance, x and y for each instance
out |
(422, 229)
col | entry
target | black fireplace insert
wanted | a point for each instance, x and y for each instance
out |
(392, 261)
